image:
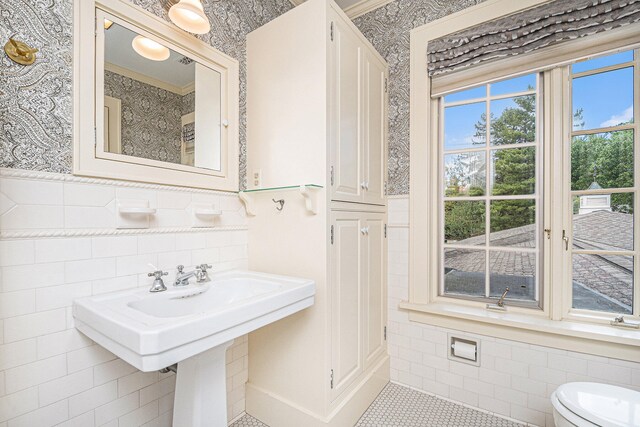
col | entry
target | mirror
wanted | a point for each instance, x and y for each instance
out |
(152, 103)
(159, 104)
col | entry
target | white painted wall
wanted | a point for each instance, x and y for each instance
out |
(514, 379)
(50, 374)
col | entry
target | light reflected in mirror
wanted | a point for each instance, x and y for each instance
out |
(159, 104)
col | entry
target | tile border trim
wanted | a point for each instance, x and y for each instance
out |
(52, 176)
(34, 234)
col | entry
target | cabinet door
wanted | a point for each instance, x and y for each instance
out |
(374, 129)
(346, 280)
(374, 289)
(346, 144)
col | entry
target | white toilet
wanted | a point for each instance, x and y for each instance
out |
(595, 405)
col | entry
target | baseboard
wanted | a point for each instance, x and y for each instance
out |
(276, 411)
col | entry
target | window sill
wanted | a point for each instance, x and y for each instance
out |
(603, 340)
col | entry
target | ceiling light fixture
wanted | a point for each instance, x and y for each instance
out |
(189, 15)
(149, 49)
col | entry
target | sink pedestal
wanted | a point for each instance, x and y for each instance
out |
(201, 389)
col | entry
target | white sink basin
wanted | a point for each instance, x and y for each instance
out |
(202, 298)
(191, 326)
(154, 330)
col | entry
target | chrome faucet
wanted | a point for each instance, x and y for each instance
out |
(182, 278)
(200, 273)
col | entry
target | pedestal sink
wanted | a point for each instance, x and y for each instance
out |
(191, 326)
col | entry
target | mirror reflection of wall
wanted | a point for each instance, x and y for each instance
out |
(151, 106)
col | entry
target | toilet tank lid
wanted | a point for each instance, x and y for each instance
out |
(602, 404)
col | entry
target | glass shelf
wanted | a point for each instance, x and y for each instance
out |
(287, 187)
(306, 192)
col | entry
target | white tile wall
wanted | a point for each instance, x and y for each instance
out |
(50, 374)
(514, 379)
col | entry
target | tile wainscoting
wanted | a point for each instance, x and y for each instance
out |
(63, 245)
(514, 379)
(58, 241)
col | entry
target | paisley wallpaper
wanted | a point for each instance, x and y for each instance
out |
(35, 101)
(151, 122)
(36, 105)
(387, 28)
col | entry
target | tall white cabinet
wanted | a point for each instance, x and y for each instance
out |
(317, 117)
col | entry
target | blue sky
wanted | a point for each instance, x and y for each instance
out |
(606, 99)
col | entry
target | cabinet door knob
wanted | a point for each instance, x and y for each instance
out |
(363, 185)
(364, 231)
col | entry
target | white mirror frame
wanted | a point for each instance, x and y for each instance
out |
(86, 121)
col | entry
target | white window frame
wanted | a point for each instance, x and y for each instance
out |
(554, 325)
(537, 196)
(568, 310)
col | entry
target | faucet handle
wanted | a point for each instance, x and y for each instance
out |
(180, 268)
(158, 274)
(201, 273)
(158, 284)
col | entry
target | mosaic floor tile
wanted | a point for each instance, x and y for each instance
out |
(248, 421)
(399, 406)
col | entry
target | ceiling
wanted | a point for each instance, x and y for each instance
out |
(354, 8)
(118, 51)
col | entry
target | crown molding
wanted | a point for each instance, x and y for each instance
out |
(358, 9)
(143, 78)
(364, 6)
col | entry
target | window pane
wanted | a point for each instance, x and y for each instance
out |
(464, 272)
(513, 171)
(603, 100)
(513, 120)
(603, 222)
(474, 93)
(603, 160)
(513, 270)
(513, 223)
(463, 126)
(602, 61)
(465, 174)
(518, 84)
(464, 222)
(603, 283)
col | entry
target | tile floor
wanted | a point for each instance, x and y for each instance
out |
(399, 406)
